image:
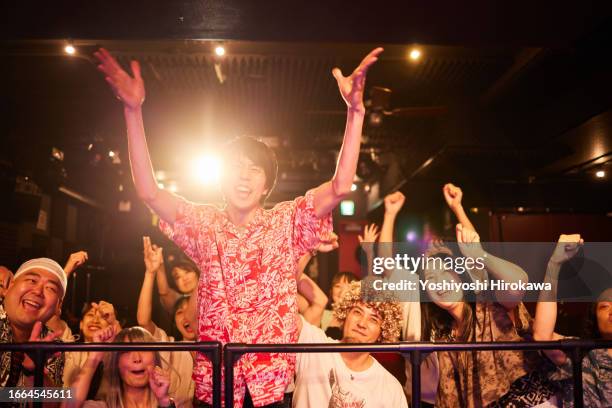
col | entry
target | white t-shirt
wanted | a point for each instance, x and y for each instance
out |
(324, 380)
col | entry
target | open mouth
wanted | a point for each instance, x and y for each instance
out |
(31, 305)
(243, 191)
(187, 327)
(139, 373)
(93, 327)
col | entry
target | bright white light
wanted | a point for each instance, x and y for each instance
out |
(347, 208)
(520, 209)
(219, 50)
(411, 236)
(160, 185)
(207, 169)
(415, 54)
(69, 49)
(600, 174)
(111, 153)
(173, 187)
(353, 187)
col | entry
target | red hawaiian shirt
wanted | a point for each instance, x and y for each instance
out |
(247, 288)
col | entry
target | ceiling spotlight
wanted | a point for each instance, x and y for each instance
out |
(69, 49)
(520, 209)
(207, 169)
(415, 54)
(353, 187)
(411, 236)
(600, 174)
(219, 50)
(111, 154)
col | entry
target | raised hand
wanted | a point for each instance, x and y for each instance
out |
(452, 195)
(469, 242)
(329, 243)
(107, 312)
(153, 255)
(352, 86)
(28, 363)
(566, 249)
(75, 260)
(370, 234)
(394, 202)
(106, 335)
(128, 89)
(159, 381)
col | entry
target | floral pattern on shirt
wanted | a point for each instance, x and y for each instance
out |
(247, 288)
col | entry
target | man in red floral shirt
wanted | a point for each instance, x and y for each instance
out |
(248, 256)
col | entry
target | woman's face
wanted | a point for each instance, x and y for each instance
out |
(95, 319)
(339, 289)
(186, 281)
(134, 367)
(182, 323)
(444, 297)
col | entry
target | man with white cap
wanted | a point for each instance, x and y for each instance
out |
(33, 297)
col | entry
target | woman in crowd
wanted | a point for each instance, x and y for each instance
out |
(483, 378)
(97, 317)
(597, 364)
(136, 378)
(181, 362)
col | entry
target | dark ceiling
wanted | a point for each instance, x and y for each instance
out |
(526, 90)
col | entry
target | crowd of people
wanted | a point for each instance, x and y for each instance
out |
(246, 284)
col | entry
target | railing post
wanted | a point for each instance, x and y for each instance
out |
(415, 363)
(228, 363)
(39, 371)
(216, 363)
(577, 371)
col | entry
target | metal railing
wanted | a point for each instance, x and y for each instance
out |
(39, 351)
(233, 351)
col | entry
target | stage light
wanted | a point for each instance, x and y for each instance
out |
(520, 209)
(353, 187)
(69, 49)
(415, 54)
(207, 169)
(219, 50)
(600, 174)
(411, 236)
(347, 208)
(111, 154)
(474, 210)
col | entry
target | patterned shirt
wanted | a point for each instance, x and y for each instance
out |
(596, 380)
(11, 373)
(247, 288)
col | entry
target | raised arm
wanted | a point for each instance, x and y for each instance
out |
(167, 295)
(130, 90)
(82, 382)
(453, 196)
(393, 204)
(367, 242)
(546, 308)
(499, 269)
(316, 298)
(153, 257)
(329, 194)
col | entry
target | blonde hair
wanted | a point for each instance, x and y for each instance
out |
(136, 334)
(390, 312)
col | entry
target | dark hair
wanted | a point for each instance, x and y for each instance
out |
(591, 327)
(338, 277)
(179, 303)
(437, 323)
(259, 153)
(187, 266)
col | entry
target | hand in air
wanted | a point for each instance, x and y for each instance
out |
(567, 247)
(128, 89)
(394, 202)
(352, 86)
(453, 196)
